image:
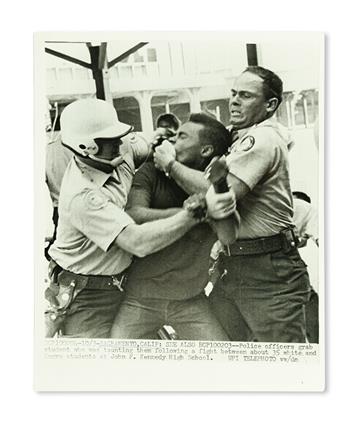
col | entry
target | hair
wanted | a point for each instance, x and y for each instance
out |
(302, 196)
(169, 118)
(214, 133)
(272, 86)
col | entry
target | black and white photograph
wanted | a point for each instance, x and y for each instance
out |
(179, 211)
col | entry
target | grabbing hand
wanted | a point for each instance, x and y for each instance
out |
(164, 155)
(195, 205)
(158, 134)
(220, 206)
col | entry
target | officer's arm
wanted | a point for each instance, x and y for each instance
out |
(224, 218)
(142, 214)
(144, 239)
(227, 229)
(137, 147)
(218, 204)
(240, 188)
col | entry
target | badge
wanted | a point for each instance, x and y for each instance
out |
(247, 143)
(133, 138)
(95, 200)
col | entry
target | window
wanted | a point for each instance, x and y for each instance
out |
(151, 55)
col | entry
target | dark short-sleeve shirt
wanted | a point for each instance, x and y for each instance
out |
(179, 271)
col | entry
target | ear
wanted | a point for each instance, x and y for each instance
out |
(272, 104)
(207, 150)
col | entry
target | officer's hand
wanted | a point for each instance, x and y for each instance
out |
(220, 206)
(164, 155)
(157, 135)
(196, 206)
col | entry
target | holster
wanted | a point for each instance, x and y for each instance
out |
(290, 240)
(63, 288)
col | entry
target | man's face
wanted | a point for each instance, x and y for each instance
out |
(187, 144)
(248, 105)
(109, 148)
(169, 130)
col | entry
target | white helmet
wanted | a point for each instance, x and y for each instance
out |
(83, 121)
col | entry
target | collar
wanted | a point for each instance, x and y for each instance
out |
(96, 176)
(269, 122)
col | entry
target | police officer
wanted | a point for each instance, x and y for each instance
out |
(265, 284)
(95, 237)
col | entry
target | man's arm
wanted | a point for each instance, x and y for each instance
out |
(190, 180)
(144, 239)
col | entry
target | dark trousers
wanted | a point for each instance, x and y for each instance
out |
(192, 319)
(312, 318)
(262, 297)
(92, 313)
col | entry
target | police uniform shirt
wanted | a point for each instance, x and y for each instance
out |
(259, 158)
(91, 216)
(57, 159)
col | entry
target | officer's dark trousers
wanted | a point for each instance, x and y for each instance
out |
(312, 316)
(92, 313)
(262, 297)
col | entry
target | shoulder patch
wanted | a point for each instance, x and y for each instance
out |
(95, 200)
(247, 143)
(133, 137)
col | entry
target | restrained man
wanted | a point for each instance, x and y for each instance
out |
(263, 290)
(96, 238)
(166, 288)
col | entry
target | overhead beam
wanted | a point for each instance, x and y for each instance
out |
(126, 54)
(67, 58)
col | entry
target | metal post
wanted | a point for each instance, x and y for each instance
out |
(97, 73)
(252, 55)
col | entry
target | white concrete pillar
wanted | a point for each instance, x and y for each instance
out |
(194, 97)
(144, 100)
(106, 81)
(293, 107)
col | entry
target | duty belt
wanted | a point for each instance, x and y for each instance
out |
(285, 241)
(106, 282)
(100, 282)
(64, 287)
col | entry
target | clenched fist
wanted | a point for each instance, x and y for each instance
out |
(164, 155)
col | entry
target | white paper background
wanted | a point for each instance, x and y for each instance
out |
(27, 412)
